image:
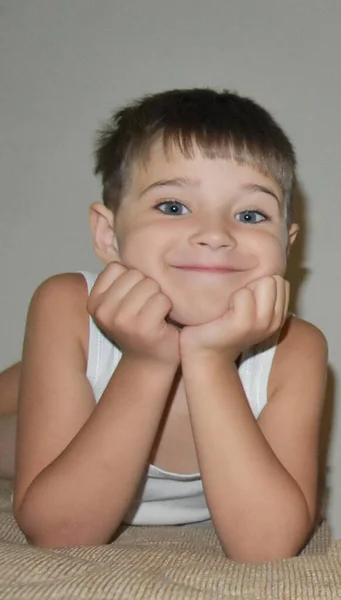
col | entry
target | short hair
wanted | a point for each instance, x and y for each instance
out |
(220, 124)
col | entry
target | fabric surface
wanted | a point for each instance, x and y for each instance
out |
(161, 563)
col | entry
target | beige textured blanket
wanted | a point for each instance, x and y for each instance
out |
(159, 563)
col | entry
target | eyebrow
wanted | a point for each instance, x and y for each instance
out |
(188, 182)
(176, 182)
(255, 187)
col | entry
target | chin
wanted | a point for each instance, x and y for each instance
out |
(196, 315)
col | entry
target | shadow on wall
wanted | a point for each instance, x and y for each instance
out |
(326, 431)
(297, 274)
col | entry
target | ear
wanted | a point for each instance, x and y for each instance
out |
(103, 234)
(292, 235)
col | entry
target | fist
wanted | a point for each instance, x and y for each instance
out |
(131, 310)
(255, 313)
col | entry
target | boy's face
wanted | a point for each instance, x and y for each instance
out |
(202, 228)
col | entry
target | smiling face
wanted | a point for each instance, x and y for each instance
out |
(202, 228)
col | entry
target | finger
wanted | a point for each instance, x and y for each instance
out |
(122, 286)
(265, 293)
(243, 307)
(234, 326)
(155, 310)
(254, 283)
(280, 304)
(114, 285)
(105, 279)
(287, 301)
(135, 297)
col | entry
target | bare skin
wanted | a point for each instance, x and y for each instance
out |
(79, 463)
(9, 393)
(178, 450)
(9, 390)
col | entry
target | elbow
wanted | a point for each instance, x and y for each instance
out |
(265, 550)
(261, 553)
(43, 532)
(61, 537)
(272, 542)
(50, 522)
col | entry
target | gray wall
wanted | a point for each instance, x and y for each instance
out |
(64, 67)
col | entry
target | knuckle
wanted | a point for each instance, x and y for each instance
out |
(152, 285)
(100, 315)
(163, 301)
(92, 303)
(161, 297)
(120, 320)
(111, 272)
(114, 266)
(136, 274)
(265, 324)
(167, 301)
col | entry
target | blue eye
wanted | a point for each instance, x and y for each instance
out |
(250, 216)
(172, 207)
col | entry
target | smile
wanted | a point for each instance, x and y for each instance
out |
(208, 269)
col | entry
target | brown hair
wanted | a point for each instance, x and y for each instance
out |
(220, 124)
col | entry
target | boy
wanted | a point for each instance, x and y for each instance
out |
(189, 395)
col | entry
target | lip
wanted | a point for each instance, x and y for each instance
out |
(208, 268)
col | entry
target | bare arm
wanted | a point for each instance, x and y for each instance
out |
(9, 390)
(78, 464)
(260, 478)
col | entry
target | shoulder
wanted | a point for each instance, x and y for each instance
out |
(60, 303)
(299, 336)
(70, 286)
(302, 352)
(65, 294)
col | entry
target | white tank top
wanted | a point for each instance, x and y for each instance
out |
(166, 498)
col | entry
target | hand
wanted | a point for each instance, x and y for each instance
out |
(255, 313)
(131, 309)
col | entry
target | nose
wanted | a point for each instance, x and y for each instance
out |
(214, 233)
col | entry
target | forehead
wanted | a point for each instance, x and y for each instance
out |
(162, 164)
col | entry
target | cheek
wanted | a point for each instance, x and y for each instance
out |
(138, 249)
(279, 260)
(272, 255)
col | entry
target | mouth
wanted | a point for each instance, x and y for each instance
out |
(208, 269)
